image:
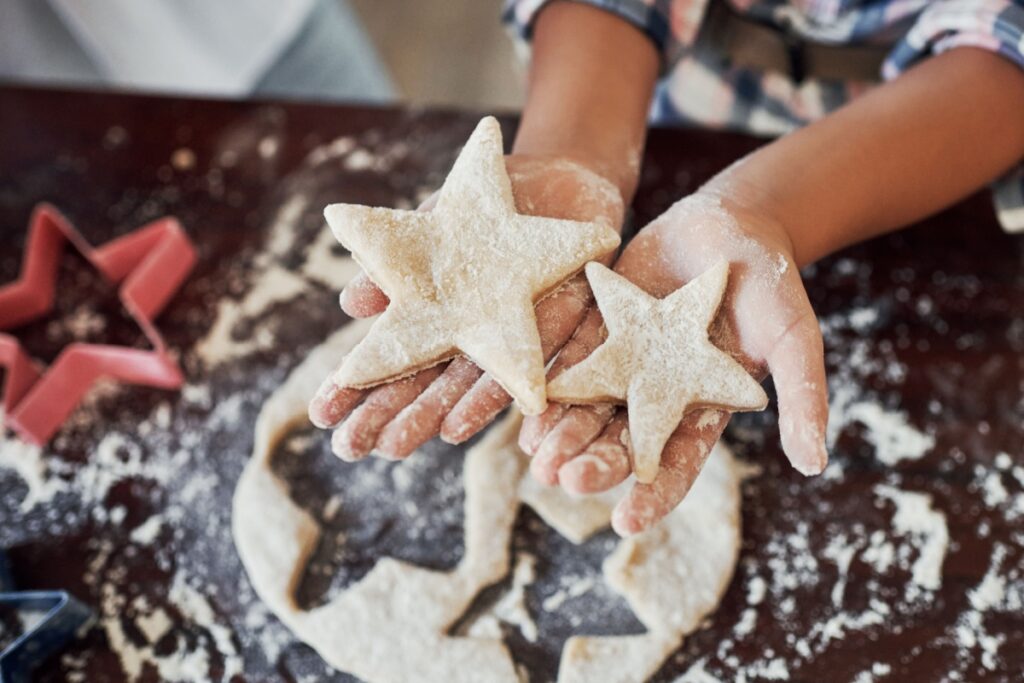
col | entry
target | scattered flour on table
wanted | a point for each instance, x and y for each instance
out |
(917, 518)
(181, 639)
(697, 674)
(274, 285)
(187, 661)
(893, 437)
(274, 279)
(26, 460)
(570, 587)
(888, 430)
(146, 533)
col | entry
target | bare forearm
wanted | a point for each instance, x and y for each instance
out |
(900, 153)
(590, 85)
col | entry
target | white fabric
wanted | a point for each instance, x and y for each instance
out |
(217, 47)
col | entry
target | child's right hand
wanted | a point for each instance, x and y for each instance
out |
(765, 321)
(456, 399)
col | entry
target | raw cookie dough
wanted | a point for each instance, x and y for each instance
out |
(463, 276)
(392, 625)
(658, 360)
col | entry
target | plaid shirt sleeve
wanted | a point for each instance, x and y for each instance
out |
(670, 24)
(995, 25)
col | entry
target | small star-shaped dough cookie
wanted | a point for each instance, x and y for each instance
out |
(463, 276)
(658, 360)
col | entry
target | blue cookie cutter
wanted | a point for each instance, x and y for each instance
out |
(63, 618)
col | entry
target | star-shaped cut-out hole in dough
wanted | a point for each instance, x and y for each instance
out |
(463, 276)
(658, 360)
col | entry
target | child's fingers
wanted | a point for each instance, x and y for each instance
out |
(421, 420)
(357, 436)
(587, 337)
(557, 318)
(580, 426)
(681, 462)
(475, 410)
(603, 464)
(536, 427)
(361, 298)
(797, 364)
(332, 403)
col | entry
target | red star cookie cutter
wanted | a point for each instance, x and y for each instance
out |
(150, 263)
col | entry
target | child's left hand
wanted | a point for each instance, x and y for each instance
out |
(455, 399)
(765, 320)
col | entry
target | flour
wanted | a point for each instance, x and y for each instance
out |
(27, 462)
(998, 592)
(916, 517)
(146, 533)
(888, 431)
(697, 674)
(195, 608)
(273, 286)
(841, 551)
(995, 493)
(912, 542)
(185, 663)
(79, 325)
(877, 669)
(572, 587)
(335, 149)
(861, 319)
(275, 279)
(182, 639)
(154, 625)
(756, 590)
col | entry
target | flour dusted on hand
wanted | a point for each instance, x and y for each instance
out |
(463, 276)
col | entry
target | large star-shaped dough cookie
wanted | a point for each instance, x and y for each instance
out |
(463, 276)
(658, 360)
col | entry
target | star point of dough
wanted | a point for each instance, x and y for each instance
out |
(464, 276)
(658, 360)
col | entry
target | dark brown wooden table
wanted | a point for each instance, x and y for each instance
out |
(925, 327)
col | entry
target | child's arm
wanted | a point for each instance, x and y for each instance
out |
(894, 156)
(590, 85)
(591, 80)
(902, 152)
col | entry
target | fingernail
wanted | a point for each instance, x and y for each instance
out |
(574, 477)
(542, 472)
(632, 520)
(584, 474)
(814, 467)
(343, 446)
(622, 525)
(390, 451)
(527, 438)
(454, 435)
(320, 407)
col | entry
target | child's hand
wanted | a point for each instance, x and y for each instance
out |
(454, 399)
(765, 320)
